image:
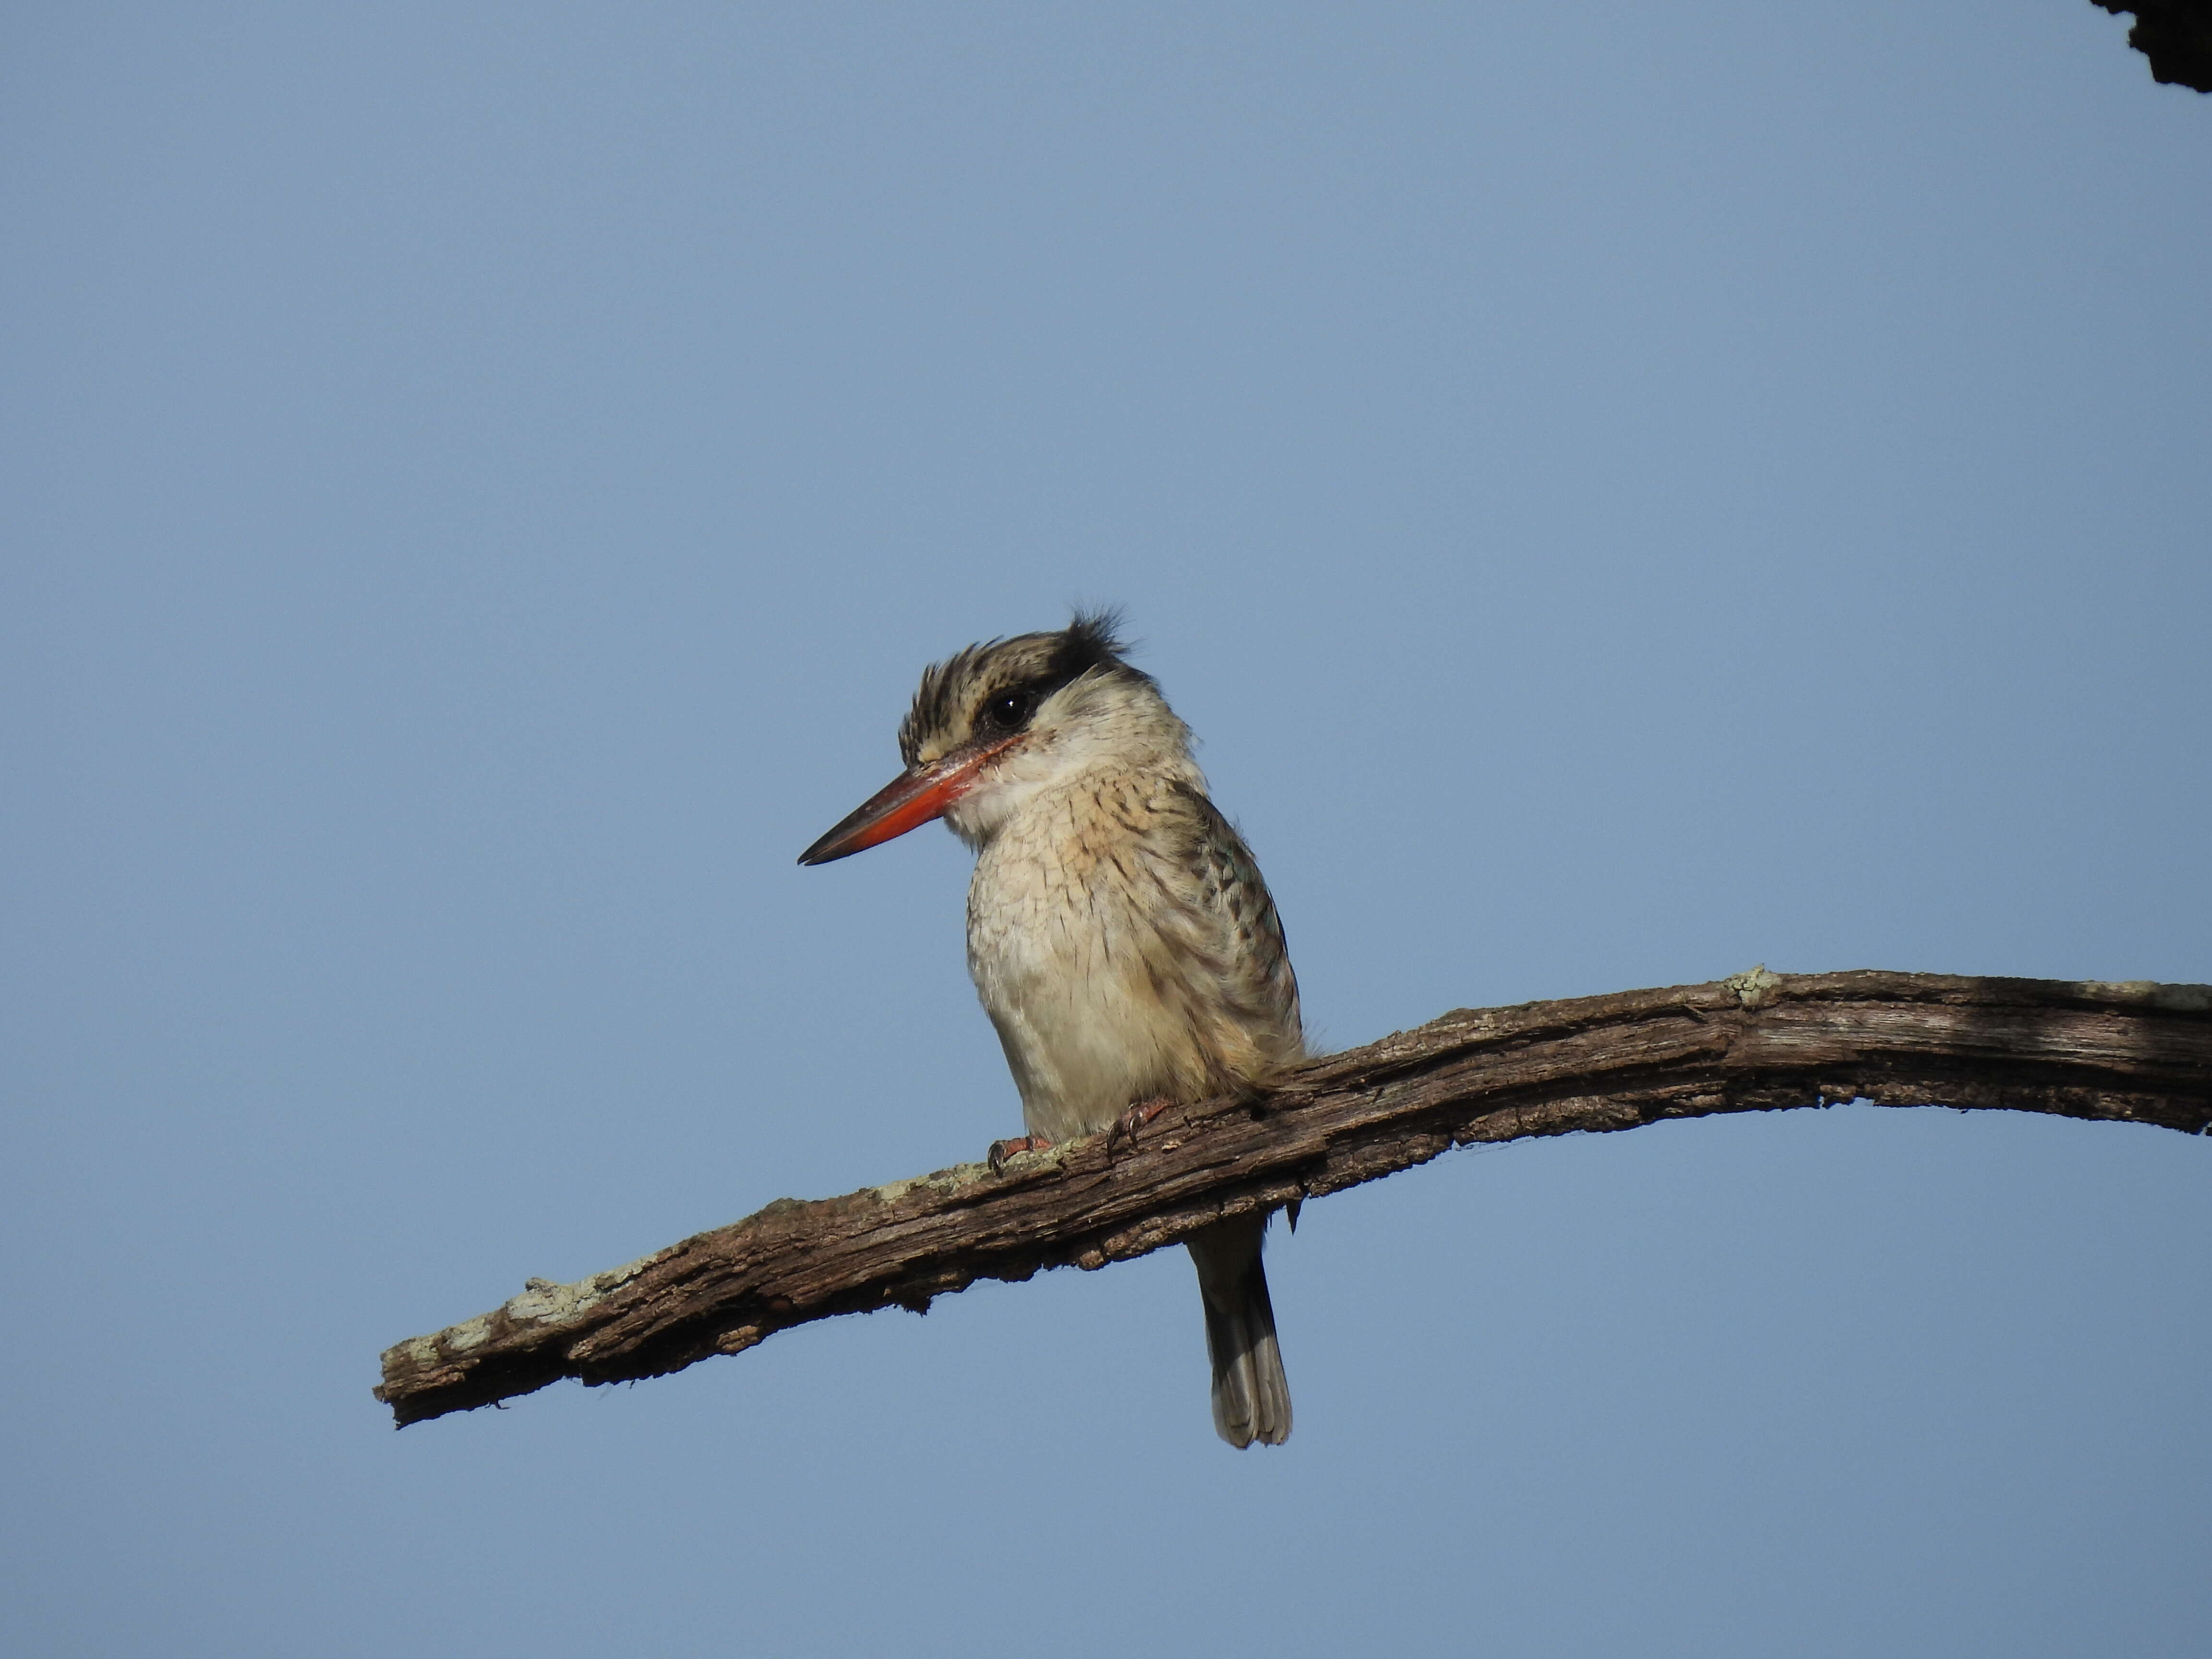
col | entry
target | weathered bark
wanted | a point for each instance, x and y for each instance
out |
(2134, 1053)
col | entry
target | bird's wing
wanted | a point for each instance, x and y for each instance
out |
(1251, 961)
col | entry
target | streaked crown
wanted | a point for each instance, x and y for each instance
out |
(995, 688)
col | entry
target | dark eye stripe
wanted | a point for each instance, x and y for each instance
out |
(1010, 711)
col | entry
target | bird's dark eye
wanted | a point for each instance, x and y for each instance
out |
(1010, 710)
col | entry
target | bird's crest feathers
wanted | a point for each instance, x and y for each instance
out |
(1030, 666)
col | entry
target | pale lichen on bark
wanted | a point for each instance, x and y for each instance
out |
(2131, 1052)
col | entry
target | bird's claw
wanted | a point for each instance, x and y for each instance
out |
(1002, 1150)
(1125, 1126)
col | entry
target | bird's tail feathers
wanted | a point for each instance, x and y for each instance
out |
(1251, 1396)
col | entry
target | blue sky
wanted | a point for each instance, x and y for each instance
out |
(1623, 492)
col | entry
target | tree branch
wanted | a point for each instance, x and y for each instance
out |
(2135, 1053)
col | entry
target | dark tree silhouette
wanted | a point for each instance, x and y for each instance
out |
(2176, 35)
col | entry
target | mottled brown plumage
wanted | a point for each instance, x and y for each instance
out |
(1119, 933)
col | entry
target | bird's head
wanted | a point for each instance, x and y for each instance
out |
(996, 723)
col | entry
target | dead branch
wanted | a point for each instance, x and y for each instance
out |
(2134, 1053)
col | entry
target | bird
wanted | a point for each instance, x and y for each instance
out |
(1119, 933)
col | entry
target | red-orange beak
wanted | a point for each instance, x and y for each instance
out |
(917, 796)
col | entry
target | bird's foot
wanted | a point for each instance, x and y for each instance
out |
(1125, 1126)
(1002, 1150)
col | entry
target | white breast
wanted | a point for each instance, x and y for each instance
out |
(1064, 948)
